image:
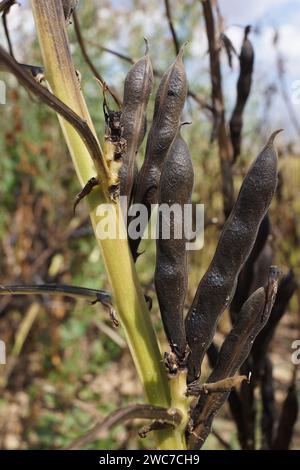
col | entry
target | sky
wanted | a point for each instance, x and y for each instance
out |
(266, 15)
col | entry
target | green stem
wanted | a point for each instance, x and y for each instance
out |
(181, 403)
(128, 296)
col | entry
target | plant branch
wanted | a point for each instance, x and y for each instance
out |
(131, 412)
(6, 4)
(57, 105)
(171, 27)
(90, 63)
(92, 295)
(5, 8)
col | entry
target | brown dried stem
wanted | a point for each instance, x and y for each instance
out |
(220, 128)
(6, 4)
(89, 62)
(57, 105)
(93, 295)
(5, 7)
(131, 412)
(171, 26)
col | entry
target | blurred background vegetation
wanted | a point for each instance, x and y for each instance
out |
(67, 366)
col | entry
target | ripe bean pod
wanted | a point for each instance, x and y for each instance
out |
(176, 186)
(217, 287)
(137, 90)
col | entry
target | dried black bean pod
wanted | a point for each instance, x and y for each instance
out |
(287, 421)
(169, 102)
(234, 351)
(243, 90)
(268, 408)
(286, 290)
(217, 287)
(176, 186)
(236, 410)
(137, 89)
(242, 405)
(249, 409)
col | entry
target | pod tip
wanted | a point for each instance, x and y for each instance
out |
(247, 30)
(181, 50)
(272, 284)
(147, 45)
(272, 137)
(274, 272)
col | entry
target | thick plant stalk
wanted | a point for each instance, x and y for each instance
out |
(128, 296)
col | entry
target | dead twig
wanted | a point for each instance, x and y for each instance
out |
(171, 27)
(131, 412)
(223, 385)
(89, 62)
(57, 105)
(154, 426)
(93, 295)
(5, 7)
(6, 4)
